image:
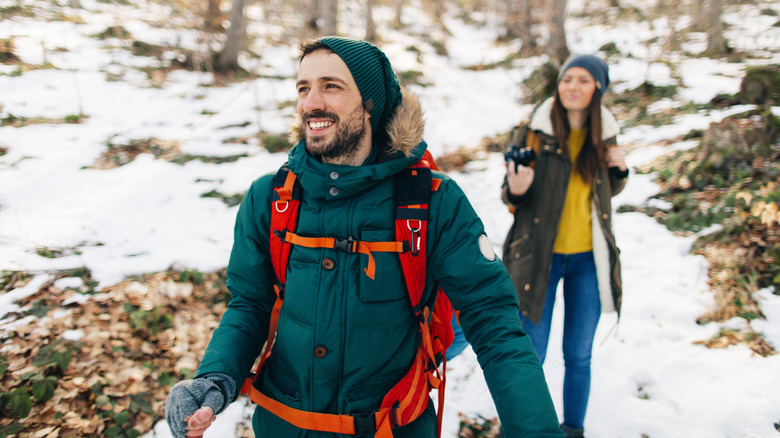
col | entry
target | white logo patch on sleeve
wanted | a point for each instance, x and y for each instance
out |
(486, 248)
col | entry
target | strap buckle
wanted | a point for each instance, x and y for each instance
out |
(365, 424)
(346, 245)
(414, 239)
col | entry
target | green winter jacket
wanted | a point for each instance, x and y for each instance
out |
(528, 248)
(362, 329)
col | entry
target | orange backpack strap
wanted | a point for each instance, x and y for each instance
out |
(284, 216)
(409, 397)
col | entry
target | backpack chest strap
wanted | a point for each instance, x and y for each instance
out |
(347, 245)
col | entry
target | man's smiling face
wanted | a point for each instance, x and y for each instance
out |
(335, 124)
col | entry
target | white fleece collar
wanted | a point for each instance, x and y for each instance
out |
(540, 120)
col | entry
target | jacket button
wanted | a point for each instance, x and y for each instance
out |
(605, 216)
(320, 351)
(334, 175)
(527, 287)
(333, 191)
(328, 264)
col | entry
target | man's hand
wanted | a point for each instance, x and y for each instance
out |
(519, 181)
(198, 422)
(192, 404)
(616, 157)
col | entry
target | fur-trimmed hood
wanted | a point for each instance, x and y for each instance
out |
(540, 120)
(404, 132)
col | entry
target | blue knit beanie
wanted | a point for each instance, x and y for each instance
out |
(373, 75)
(594, 65)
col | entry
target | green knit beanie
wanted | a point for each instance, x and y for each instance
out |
(373, 75)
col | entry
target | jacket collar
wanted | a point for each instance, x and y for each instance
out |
(540, 120)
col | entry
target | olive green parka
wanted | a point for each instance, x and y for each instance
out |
(343, 339)
(528, 248)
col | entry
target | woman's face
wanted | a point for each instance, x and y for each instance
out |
(576, 89)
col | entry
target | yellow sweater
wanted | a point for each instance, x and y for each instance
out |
(574, 229)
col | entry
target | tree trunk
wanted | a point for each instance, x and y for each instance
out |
(329, 14)
(519, 25)
(716, 44)
(526, 33)
(228, 59)
(370, 24)
(512, 20)
(557, 47)
(699, 15)
(672, 11)
(212, 22)
(311, 12)
(399, 6)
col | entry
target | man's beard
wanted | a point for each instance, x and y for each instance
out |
(346, 141)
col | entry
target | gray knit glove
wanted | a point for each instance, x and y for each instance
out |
(215, 390)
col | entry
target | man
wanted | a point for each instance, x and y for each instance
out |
(345, 339)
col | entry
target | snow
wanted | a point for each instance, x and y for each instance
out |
(649, 376)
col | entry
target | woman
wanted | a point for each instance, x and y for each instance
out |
(562, 222)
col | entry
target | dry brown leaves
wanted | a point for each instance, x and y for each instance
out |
(727, 338)
(115, 353)
(479, 427)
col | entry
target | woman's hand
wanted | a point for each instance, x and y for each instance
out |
(616, 157)
(519, 181)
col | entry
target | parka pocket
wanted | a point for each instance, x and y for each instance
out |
(388, 283)
(367, 398)
(519, 261)
(519, 247)
(280, 385)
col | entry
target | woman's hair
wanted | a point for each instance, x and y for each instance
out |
(592, 153)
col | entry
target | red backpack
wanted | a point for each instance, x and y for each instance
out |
(409, 397)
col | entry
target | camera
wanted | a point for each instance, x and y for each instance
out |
(524, 156)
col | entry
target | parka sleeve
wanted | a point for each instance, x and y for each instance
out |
(463, 263)
(243, 329)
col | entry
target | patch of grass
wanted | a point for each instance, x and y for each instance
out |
(16, 10)
(7, 51)
(147, 323)
(275, 143)
(188, 276)
(10, 280)
(116, 31)
(229, 200)
(411, 77)
(208, 159)
(20, 121)
(55, 253)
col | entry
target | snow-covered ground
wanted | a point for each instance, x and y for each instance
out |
(648, 375)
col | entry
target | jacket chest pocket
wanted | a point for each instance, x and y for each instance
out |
(388, 283)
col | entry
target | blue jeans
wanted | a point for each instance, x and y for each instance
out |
(459, 343)
(582, 309)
